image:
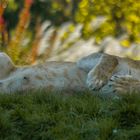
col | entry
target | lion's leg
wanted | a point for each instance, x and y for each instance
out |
(125, 84)
(89, 62)
(102, 72)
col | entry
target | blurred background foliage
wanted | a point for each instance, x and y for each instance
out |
(25, 25)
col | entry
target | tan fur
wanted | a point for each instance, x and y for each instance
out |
(49, 76)
(96, 72)
(101, 74)
(125, 84)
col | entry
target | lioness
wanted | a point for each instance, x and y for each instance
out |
(104, 73)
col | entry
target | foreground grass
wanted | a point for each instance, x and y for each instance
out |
(51, 116)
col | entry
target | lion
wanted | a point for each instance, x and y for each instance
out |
(107, 74)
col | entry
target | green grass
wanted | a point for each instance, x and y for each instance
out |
(82, 116)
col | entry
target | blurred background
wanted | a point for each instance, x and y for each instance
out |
(39, 30)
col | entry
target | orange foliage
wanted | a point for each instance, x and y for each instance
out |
(3, 32)
(24, 18)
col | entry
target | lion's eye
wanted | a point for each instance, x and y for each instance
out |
(26, 78)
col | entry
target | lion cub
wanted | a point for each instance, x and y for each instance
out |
(99, 72)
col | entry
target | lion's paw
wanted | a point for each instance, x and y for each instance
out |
(95, 81)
